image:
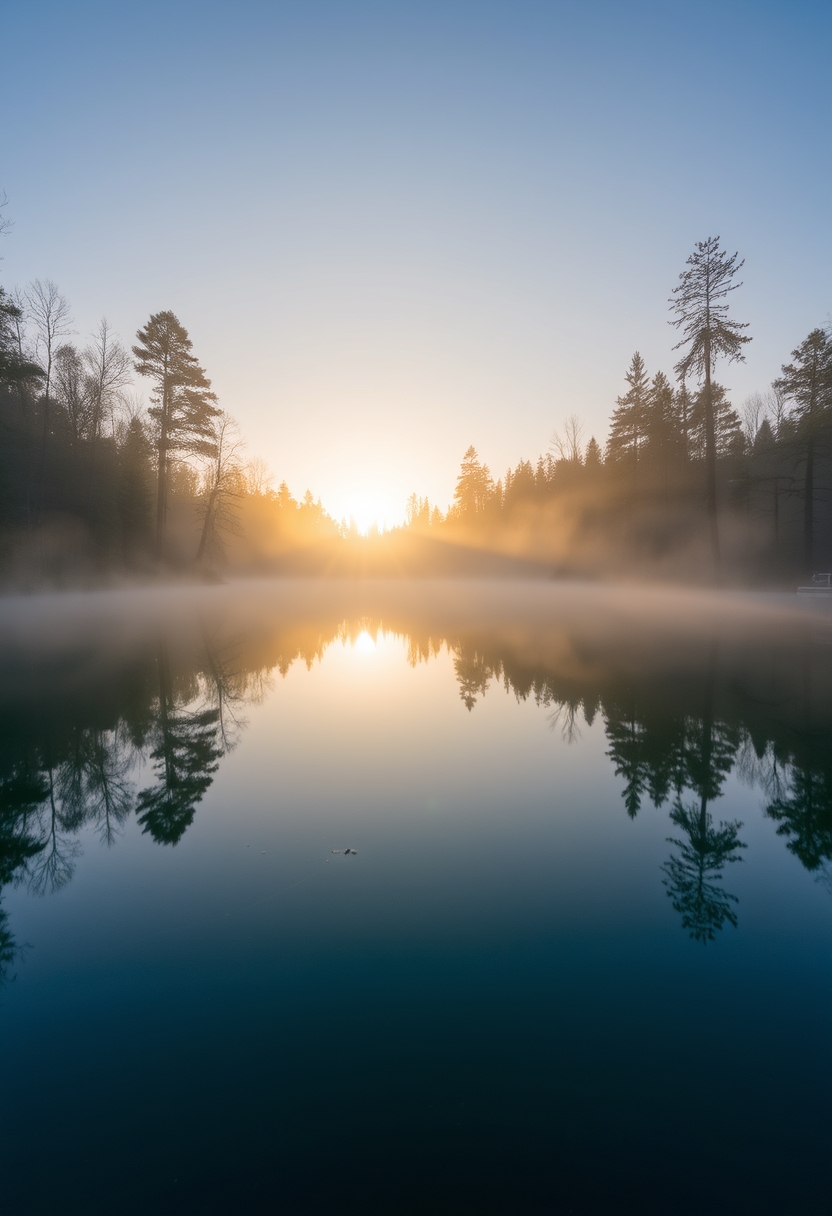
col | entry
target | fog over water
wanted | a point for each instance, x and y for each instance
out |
(520, 890)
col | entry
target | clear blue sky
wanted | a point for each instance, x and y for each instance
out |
(395, 229)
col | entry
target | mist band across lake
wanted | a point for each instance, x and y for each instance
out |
(578, 949)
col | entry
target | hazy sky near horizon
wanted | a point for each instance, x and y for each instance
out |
(394, 229)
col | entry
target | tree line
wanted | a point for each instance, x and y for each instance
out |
(92, 481)
(681, 466)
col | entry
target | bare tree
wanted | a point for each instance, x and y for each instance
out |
(5, 222)
(223, 484)
(18, 323)
(108, 375)
(569, 445)
(776, 407)
(752, 412)
(259, 477)
(49, 313)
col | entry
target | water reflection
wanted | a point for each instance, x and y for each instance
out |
(90, 736)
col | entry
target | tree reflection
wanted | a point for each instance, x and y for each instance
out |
(72, 759)
(694, 872)
(185, 757)
(473, 676)
(94, 782)
(804, 813)
(626, 736)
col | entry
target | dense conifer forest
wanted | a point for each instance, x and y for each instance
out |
(95, 484)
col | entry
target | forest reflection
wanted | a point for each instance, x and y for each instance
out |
(90, 736)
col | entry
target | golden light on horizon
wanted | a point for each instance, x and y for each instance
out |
(368, 509)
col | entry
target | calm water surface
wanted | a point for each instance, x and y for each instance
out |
(578, 959)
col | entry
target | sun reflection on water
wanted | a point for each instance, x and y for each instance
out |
(365, 643)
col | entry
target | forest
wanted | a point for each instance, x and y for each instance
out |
(95, 484)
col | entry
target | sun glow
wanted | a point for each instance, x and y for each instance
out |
(364, 643)
(368, 510)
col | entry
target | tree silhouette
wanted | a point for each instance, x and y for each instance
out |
(223, 486)
(807, 382)
(474, 484)
(708, 333)
(629, 418)
(183, 405)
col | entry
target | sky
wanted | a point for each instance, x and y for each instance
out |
(396, 229)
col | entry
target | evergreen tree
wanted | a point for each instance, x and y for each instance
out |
(707, 333)
(15, 368)
(807, 382)
(474, 485)
(627, 426)
(662, 441)
(135, 494)
(183, 405)
(727, 426)
(682, 410)
(592, 460)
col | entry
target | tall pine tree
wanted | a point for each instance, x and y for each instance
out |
(707, 332)
(183, 405)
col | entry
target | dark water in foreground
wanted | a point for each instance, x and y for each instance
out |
(581, 960)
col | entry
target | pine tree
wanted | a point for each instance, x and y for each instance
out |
(727, 425)
(592, 460)
(807, 382)
(707, 333)
(682, 410)
(474, 485)
(628, 420)
(183, 405)
(659, 426)
(135, 499)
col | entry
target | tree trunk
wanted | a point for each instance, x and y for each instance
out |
(710, 466)
(206, 526)
(776, 520)
(808, 503)
(161, 496)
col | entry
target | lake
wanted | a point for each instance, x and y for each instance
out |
(394, 897)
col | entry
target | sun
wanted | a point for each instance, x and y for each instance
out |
(368, 510)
